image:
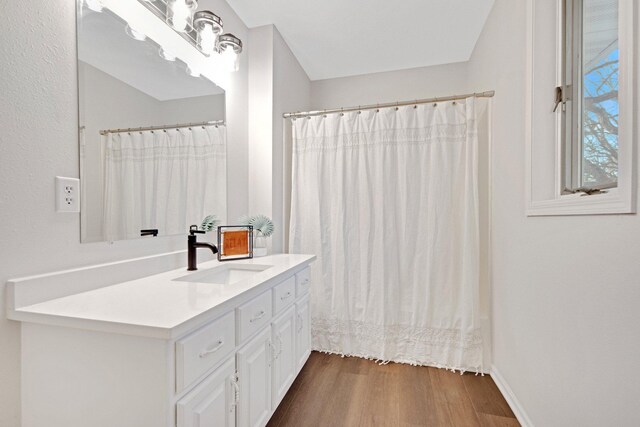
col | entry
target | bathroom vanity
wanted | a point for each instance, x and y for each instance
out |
(216, 347)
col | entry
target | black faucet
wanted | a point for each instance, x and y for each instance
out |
(149, 232)
(193, 244)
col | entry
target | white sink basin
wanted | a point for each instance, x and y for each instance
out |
(224, 274)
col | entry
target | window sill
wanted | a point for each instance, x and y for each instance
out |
(611, 202)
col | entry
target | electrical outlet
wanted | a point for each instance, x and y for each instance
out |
(67, 194)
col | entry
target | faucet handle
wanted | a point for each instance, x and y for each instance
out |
(194, 229)
(149, 232)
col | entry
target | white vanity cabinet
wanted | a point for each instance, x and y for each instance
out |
(303, 332)
(213, 402)
(230, 365)
(283, 370)
(254, 380)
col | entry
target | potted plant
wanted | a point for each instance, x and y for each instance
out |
(209, 223)
(262, 228)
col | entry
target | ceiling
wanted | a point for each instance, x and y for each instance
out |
(337, 38)
(103, 43)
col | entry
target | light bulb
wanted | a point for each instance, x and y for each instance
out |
(207, 39)
(230, 58)
(135, 33)
(167, 54)
(194, 72)
(180, 14)
(95, 5)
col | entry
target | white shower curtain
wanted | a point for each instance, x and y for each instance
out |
(163, 179)
(388, 201)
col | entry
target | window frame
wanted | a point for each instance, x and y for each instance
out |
(619, 200)
(571, 72)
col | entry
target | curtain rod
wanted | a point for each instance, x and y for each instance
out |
(487, 94)
(177, 126)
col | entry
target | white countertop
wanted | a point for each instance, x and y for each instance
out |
(157, 306)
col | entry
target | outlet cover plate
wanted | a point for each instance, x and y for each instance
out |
(67, 194)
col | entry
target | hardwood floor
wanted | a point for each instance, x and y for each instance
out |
(352, 392)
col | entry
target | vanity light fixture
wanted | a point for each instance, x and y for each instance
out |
(208, 26)
(202, 30)
(167, 55)
(179, 14)
(95, 5)
(230, 47)
(135, 33)
(194, 72)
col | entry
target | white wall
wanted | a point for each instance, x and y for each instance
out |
(291, 92)
(566, 290)
(39, 122)
(261, 121)
(277, 84)
(392, 86)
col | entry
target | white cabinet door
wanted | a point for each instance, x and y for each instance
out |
(284, 361)
(254, 380)
(212, 403)
(303, 333)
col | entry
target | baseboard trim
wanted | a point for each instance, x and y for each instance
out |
(511, 399)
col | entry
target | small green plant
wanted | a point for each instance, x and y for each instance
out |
(210, 222)
(261, 224)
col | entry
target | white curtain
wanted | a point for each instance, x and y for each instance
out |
(163, 179)
(388, 201)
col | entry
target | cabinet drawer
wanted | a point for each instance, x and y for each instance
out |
(253, 315)
(203, 349)
(303, 282)
(284, 294)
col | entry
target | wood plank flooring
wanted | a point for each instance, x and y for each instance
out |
(352, 392)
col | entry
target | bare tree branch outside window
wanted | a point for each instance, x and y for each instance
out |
(600, 121)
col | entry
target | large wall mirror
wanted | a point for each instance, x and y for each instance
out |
(152, 134)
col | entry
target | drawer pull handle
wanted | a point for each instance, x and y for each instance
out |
(300, 324)
(257, 317)
(285, 296)
(213, 349)
(305, 282)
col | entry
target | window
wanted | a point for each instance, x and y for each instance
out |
(589, 96)
(581, 155)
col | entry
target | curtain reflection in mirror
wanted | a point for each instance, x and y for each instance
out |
(164, 179)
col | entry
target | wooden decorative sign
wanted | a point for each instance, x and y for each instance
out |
(235, 242)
